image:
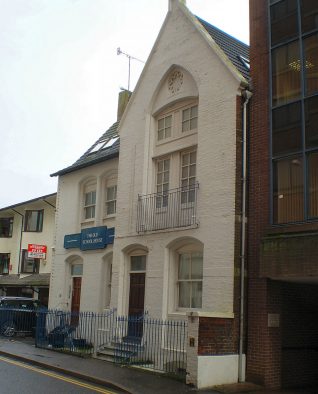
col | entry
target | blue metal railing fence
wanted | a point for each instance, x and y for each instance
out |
(156, 344)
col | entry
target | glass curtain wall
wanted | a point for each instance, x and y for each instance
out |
(294, 116)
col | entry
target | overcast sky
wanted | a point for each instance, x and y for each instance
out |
(60, 77)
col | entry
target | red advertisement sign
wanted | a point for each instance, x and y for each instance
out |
(37, 251)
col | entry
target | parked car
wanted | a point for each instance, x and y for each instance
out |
(18, 314)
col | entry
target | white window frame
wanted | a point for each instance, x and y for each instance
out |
(162, 185)
(110, 201)
(89, 189)
(192, 120)
(189, 280)
(188, 182)
(166, 129)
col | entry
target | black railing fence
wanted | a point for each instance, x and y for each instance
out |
(81, 333)
(152, 343)
(171, 209)
(155, 344)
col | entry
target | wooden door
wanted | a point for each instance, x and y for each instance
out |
(136, 304)
(76, 299)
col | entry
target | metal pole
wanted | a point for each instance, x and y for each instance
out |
(247, 95)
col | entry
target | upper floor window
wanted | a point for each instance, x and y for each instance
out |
(163, 171)
(4, 263)
(311, 64)
(29, 265)
(6, 226)
(177, 120)
(284, 21)
(286, 79)
(309, 15)
(89, 201)
(190, 277)
(190, 118)
(164, 127)
(188, 176)
(34, 220)
(294, 116)
(111, 196)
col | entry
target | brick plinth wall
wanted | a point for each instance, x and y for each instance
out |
(217, 336)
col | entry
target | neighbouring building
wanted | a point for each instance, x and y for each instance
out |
(157, 228)
(283, 194)
(26, 247)
(85, 221)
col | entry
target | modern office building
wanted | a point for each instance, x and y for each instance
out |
(283, 194)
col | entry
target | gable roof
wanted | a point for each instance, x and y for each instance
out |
(236, 54)
(101, 153)
(234, 49)
(41, 198)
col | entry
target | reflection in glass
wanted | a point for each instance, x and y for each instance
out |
(311, 122)
(284, 21)
(311, 64)
(313, 184)
(287, 129)
(309, 15)
(286, 69)
(288, 194)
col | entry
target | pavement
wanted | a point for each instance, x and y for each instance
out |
(119, 378)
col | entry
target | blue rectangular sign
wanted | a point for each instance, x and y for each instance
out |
(90, 238)
(72, 241)
(94, 238)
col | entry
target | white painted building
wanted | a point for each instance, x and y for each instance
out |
(26, 247)
(176, 252)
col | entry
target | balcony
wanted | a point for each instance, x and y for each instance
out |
(172, 209)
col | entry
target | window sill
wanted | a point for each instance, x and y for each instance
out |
(88, 221)
(224, 315)
(177, 136)
(196, 313)
(109, 217)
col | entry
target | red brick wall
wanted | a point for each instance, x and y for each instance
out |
(216, 336)
(262, 357)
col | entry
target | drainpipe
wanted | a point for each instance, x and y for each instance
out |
(22, 224)
(246, 94)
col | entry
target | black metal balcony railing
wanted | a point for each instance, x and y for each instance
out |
(171, 209)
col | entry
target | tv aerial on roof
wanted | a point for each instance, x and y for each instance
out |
(130, 57)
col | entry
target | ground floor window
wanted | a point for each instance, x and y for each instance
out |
(29, 265)
(189, 283)
(4, 263)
